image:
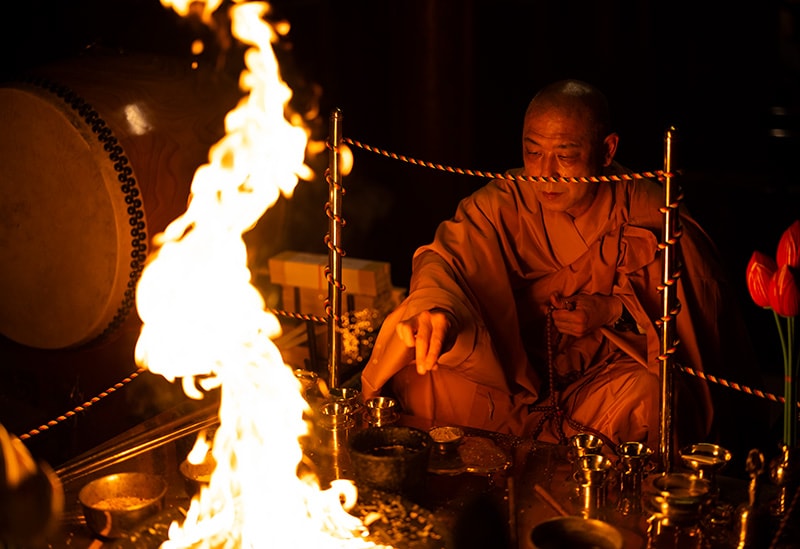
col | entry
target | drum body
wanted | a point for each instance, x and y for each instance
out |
(97, 156)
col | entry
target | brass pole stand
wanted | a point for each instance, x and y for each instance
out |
(333, 241)
(669, 305)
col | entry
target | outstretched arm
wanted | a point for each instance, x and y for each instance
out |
(430, 333)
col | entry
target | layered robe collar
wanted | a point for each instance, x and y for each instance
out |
(573, 235)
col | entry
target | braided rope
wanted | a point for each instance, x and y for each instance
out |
(496, 175)
(552, 411)
(81, 407)
(733, 385)
(298, 316)
(658, 174)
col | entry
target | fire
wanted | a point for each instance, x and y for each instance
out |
(205, 323)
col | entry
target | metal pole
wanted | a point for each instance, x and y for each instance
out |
(335, 191)
(669, 301)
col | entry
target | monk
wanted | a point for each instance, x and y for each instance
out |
(533, 310)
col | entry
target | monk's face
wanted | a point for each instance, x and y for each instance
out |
(560, 142)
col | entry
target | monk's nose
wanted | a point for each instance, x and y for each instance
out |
(550, 166)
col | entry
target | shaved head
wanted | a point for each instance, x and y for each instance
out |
(566, 133)
(576, 97)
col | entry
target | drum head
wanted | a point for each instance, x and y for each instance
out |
(65, 229)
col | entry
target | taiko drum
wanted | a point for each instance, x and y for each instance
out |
(97, 155)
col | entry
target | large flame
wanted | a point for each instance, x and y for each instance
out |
(205, 323)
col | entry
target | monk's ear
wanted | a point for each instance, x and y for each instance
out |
(609, 148)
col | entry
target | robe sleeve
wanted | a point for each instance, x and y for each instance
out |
(462, 268)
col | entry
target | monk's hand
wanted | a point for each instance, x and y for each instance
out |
(429, 333)
(581, 314)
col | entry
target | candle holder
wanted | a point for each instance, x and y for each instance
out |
(309, 386)
(706, 460)
(346, 395)
(584, 444)
(381, 410)
(591, 476)
(334, 423)
(784, 471)
(676, 502)
(750, 516)
(633, 464)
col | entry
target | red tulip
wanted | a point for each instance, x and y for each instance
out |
(759, 272)
(789, 246)
(783, 295)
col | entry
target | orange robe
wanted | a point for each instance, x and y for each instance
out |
(494, 266)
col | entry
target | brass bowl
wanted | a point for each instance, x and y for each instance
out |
(680, 496)
(381, 410)
(391, 458)
(584, 444)
(197, 475)
(446, 438)
(346, 395)
(116, 505)
(705, 458)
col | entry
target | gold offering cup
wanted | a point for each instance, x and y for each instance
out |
(706, 459)
(591, 476)
(346, 395)
(116, 505)
(584, 444)
(446, 438)
(381, 410)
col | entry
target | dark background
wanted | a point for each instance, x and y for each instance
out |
(447, 81)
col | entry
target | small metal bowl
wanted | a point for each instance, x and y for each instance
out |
(705, 458)
(681, 497)
(584, 444)
(381, 410)
(197, 475)
(116, 505)
(346, 395)
(446, 438)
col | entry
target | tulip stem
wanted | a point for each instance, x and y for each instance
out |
(783, 339)
(789, 399)
(791, 403)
